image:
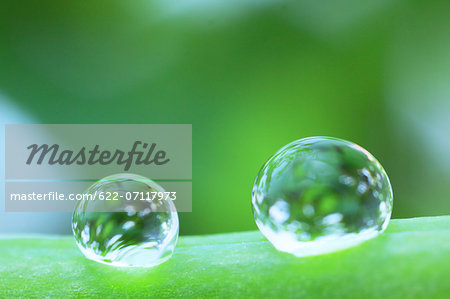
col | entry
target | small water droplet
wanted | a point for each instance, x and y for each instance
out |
(125, 233)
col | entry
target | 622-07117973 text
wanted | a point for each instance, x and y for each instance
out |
(130, 196)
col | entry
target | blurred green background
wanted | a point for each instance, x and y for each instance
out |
(250, 76)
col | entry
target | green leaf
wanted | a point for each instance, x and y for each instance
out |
(410, 260)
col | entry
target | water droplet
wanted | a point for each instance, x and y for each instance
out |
(321, 194)
(127, 233)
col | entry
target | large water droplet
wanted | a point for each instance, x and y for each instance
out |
(321, 194)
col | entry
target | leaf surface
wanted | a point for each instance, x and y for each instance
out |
(410, 260)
